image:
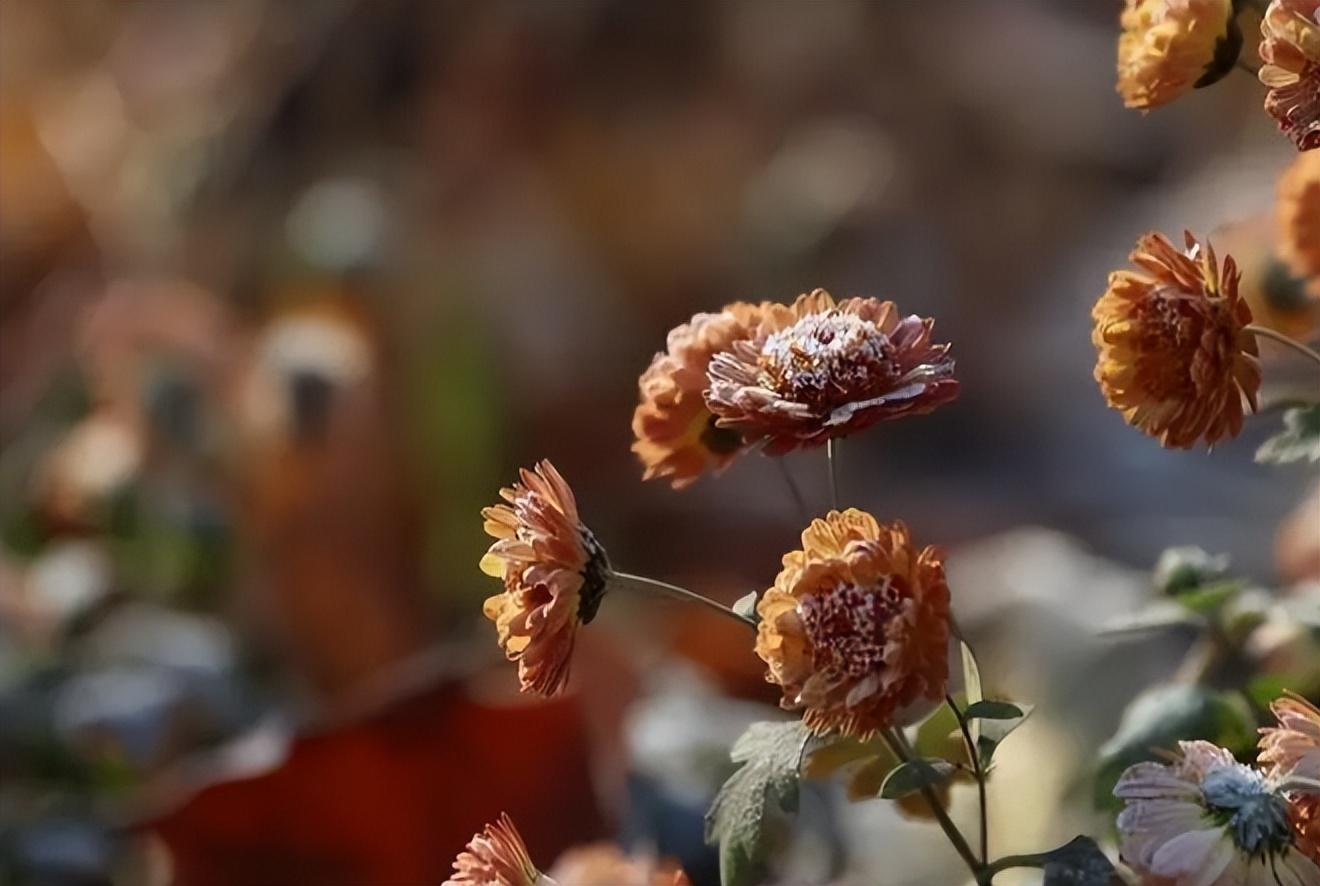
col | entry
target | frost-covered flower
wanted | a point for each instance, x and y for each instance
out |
(819, 369)
(554, 575)
(855, 629)
(1174, 356)
(497, 857)
(676, 435)
(1290, 47)
(1291, 754)
(1169, 47)
(1298, 215)
(1206, 820)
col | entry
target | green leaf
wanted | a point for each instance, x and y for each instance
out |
(1210, 598)
(770, 754)
(746, 606)
(1080, 862)
(1299, 440)
(994, 731)
(971, 685)
(939, 736)
(993, 710)
(914, 775)
(1160, 717)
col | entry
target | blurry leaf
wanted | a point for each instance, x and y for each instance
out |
(914, 775)
(1209, 598)
(1187, 568)
(939, 735)
(1154, 616)
(1080, 862)
(746, 606)
(770, 754)
(1161, 717)
(1299, 440)
(993, 710)
(1265, 688)
(867, 762)
(972, 685)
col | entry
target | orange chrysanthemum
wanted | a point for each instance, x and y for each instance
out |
(1290, 47)
(604, 864)
(1290, 754)
(554, 576)
(1169, 47)
(856, 627)
(816, 370)
(1174, 355)
(1298, 215)
(496, 857)
(676, 434)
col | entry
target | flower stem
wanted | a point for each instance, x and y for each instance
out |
(974, 758)
(801, 503)
(898, 745)
(642, 583)
(1265, 332)
(832, 456)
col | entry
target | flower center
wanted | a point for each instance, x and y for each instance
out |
(1173, 329)
(826, 360)
(1255, 816)
(846, 627)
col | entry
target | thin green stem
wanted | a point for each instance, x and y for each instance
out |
(804, 513)
(1265, 332)
(642, 583)
(974, 758)
(898, 745)
(832, 456)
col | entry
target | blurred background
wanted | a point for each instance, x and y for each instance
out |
(289, 290)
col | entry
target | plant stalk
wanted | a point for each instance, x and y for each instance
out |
(1265, 332)
(899, 747)
(974, 757)
(642, 583)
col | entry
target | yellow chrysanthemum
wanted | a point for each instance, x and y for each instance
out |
(1174, 354)
(1169, 47)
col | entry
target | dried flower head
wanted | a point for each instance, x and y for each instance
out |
(819, 369)
(604, 864)
(856, 627)
(1174, 355)
(1298, 214)
(676, 435)
(554, 576)
(497, 857)
(1169, 47)
(1290, 753)
(1206, 820)
(1290, 47)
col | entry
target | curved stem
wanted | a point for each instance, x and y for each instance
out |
(832, 456)
(898, 745)
(1286, 341)
(974, 757)
(642, 583)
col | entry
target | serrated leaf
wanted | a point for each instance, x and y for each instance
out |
(993, 710)
(1299, 440)
(1080, 862)
(1160, 717)
(771, 754)
(914, 775)
(746, 606)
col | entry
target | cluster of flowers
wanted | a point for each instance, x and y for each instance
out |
(1205, 818)
(1170, 47)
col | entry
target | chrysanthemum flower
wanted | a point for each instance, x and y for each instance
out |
(1298, 215)
(604, 864)
(554, 576)
(1174, 355)
(676, 434)
(856, 628)
(1291, 754)
(497, 857)
(817, 369)
(1290, 47)
(1169, 47)
(1206, 820)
